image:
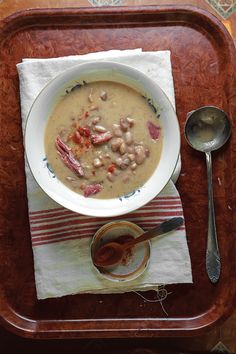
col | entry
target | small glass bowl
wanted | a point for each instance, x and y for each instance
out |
(135, 260)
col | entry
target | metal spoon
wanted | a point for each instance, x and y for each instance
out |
(112, 252)
(207, 129)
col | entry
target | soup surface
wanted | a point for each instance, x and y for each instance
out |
(103, 139)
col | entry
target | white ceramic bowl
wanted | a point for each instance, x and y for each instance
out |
(36, 124)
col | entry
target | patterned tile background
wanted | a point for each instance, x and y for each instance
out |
(223, 7)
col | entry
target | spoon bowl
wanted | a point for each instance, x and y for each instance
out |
(208, 129)
(109, 254)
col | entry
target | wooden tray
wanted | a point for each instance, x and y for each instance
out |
(203, 61)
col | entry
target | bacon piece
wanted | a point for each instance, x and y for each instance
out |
(154, 130)
(92, 189)
(111, 168)
(68, 158)
(101, 138)
(84, 131)
(77, 138)
(61, 146)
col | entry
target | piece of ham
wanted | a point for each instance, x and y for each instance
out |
(68, 158)
(84, 131)
(154, 130)
(98, 139)
(61, 146)
(92, 189)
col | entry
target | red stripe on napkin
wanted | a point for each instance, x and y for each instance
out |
(57, 225)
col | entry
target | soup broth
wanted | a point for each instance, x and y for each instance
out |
(103, 139)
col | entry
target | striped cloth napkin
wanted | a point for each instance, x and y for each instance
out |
(61, 238)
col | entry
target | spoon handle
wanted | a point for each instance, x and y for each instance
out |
(161, 229)
(213, 264)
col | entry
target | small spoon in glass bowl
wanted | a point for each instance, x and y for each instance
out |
(207, 129)
(112, 253)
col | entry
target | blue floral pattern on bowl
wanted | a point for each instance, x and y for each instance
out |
(126, 196)
(49, 167)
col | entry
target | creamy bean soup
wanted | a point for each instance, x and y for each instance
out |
(103, 139)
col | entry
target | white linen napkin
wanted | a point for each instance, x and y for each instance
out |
(60, 238)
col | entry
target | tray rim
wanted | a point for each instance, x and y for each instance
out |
(30, 328)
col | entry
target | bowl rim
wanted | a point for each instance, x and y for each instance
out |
(103, 65)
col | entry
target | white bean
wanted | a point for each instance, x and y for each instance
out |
(116, 130)
(128, 138)
(131, 157)
(107, 156)
(122, 148)
(126, 162)
(103, 95)
(114, 126)
(96, 120)
(123, 166)
(110, 176)
(119, 161)
(97, 162)
(116, 143)
(130, 121)
(100, 129)
(124, 124)
(133, 165)
(140, 154)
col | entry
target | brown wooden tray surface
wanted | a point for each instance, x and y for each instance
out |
(203, 59)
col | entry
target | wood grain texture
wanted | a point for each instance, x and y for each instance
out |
(203, 60)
